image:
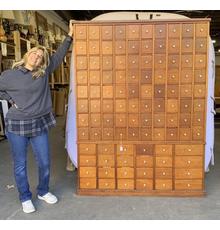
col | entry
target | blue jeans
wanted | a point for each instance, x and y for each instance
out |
(40, 147)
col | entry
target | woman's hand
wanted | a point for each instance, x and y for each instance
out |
(71, 28)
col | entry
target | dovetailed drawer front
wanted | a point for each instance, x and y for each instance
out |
(146, 106)
(173, 61)
(200, 90)
(187, 61)
(146, 91)
(201, 45)
(95, 134)
(133, 120)
(159, 120)
(125, 149)
(80, 32)
(87, 183)
(144, 173)
(188, 173)
(198, 119)
(172, 91)
(186, 91)
(160, 46)
(120, 91)
(185, 105)
(125, 184)
(172, 134)
(83, 120)
(87, 160)
(187, 45)
(94, 32)
(163, 150)
(146, 62)
(106, 184)
(107, 106)
(87, 149)
(83, 133)
(106, 160)
(159, 91)
(160, 31)
(94, 77)
(108, 134)
(106, 172)
(185, 134)
(133, 47)
(133, 134)
(187, 30)
(81, 48)
(173, 76)
(146, 149)
(163, 184)
(174, 30)
(158, 134)
(200, 75)
(107, 62)
(186, 76)
(120, 134)
(172, 119)
(133, 31)
(95, 91)
(120, 47)
(133, 62)
(82, 106)
(146, 120)
(125, 161)
(125, 172)
(120, 32)
(133, 76)
(82, 77)
(94, 62)
(106, 149)
(200, 61)
(107, 32)
(159, 105)
(159, 77)
(146, 31)
(120, 62)
(163, 162)
(107, 77)
(107, 91)
(188, 184)
(185, 120)
(145, 161)
(82, 91)
(147, 46)
(120, 106)
(133, 106)
(95, 106)
(87, 172)
(199, 105)
(160, 61)
(189, 149)
(188, 161)
(198, 133)
(174, 46)
(106, 47)
(172, 106)
(120, 77)
(146, 134)
(144, 184)
(121, 120)
(201, 30)
(94, 47)
(163, 173)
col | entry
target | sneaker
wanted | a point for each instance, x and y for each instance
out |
(28, 206)
(49, 198)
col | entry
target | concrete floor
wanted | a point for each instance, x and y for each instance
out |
(73, 207)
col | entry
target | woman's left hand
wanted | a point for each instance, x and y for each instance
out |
(71, 28)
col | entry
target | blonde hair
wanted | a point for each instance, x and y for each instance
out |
(39, 71)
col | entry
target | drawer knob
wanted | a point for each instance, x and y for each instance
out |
(145, 162)
(87, 161)
(133, 77)
(159, 91)
(87, 184)
(87, 149)
(187, 30)
(133, 31)
(120, 120)
(146, 134)
(133, 134)
(187, 60)
(189, 150)
(185, 134)
(93, 47)
(163, 150)
(188, 173)
(80, 32)
(146, 106)
(160, 31)
(160, 76)
(144, 185)
(198, 119)
(146, 46)
(120, 91)
(144, 173)
(173, 46)
(146, 62)
(199, 105)
(163, 161)
(164, 173)
(107, 62)
(174, 30)
(186, 106)
(125, 185)
(133, 106)
(198, 134)
(185, 120)
(187, 45)
(144, 150)
(158, 120)
(200, 75)
(133, 62)
(81, 62)
(188, 185)
(146, 31)
(106, 161)
(171, 134)
(171, 120)
(173, 76)
(159, 106)
(133, 91)
(189, 162)
(172, 91)
(200, 60)
(173, 61)
(172, 105)
(164, 185)
(120, 62)
(160, 46)
(120, 31)
(105, 149)
(201, 45)
(125, 173)
(96, 134)
(201, 30)
(106, 184)
(83, 134)
(186, 90)
(108, 134)
(133, 120)
(158, 134)
(160, 61)
(125, 162)
(106, 173)
(133, 47)
(87, 172)
(186, 76)
(106, 32)
(120, 47)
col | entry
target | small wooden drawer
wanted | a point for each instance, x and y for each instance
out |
(173, 61)
(125, 184)
(163, 173)
(147, 46)
(120, 32)
(120, 77)
(185, 105)
(187, 30)
(95, 106)
(106, 172)
(80, 32)
(201, 45)
(133, 105)
(125, 172)
(106, 184)
(198, 133)
(159, 76)
(87, 149)
(159, 105)
(146, 134)
(107, 62)
(160, 61)
(107, 77)
(83, 133)
(185, 134)
(164, 161)
(133, 134)
(163, 150)
(120, 134)
(146, 62)
(107, 32)
(133, 62)
(199, 105)
(145, 149)
(188, 185)
(120, 62)
(94, 47)
(185, 120)
(173, 76)
(158, 134)
(82, 106)
(94, 77)
(94, 32)
(107, 106)
(87, 183)
(160, 46)
(172, 105)
(133, 76)
(145, 161)
(174, 46)
(174, 30)
(82, 91)
(108, 120)
(120, 91)
(83, 120)
(121, 120)
(120, 106)
(95, 91)
(188, 173)
(160, 31)
(94, 62)
(133, 47)
(106, 160)
(200, 75)
(146, 91)
(200, 90)
(87, 172)
(108, 134)
(146, 173)
(163, 184)
(187, 61)
(159, 91)
(189, 162)
(198, 119)
(87, 160)
(186, 91)
(107, 91)
(120, 47)
(106, 47)
(202, 29)
(146, 77)
(186, 76)
(187, 45)
(82, 77)
(146, 106)
(146, 31)
(172, 120)
(95, 134)
(133, 31)
(125, 149)
(144, 184)
(125, 161)
(200, 61)
(81, 48)
(159, 120)
(106, 149)
(172, 91)
(190, 150)
(133, 120)
(172, 134)
(146, 120)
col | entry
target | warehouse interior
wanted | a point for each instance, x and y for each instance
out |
(64, 176)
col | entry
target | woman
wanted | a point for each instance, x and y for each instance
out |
(26, 87)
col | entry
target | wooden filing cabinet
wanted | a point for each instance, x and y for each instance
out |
(141, 89)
